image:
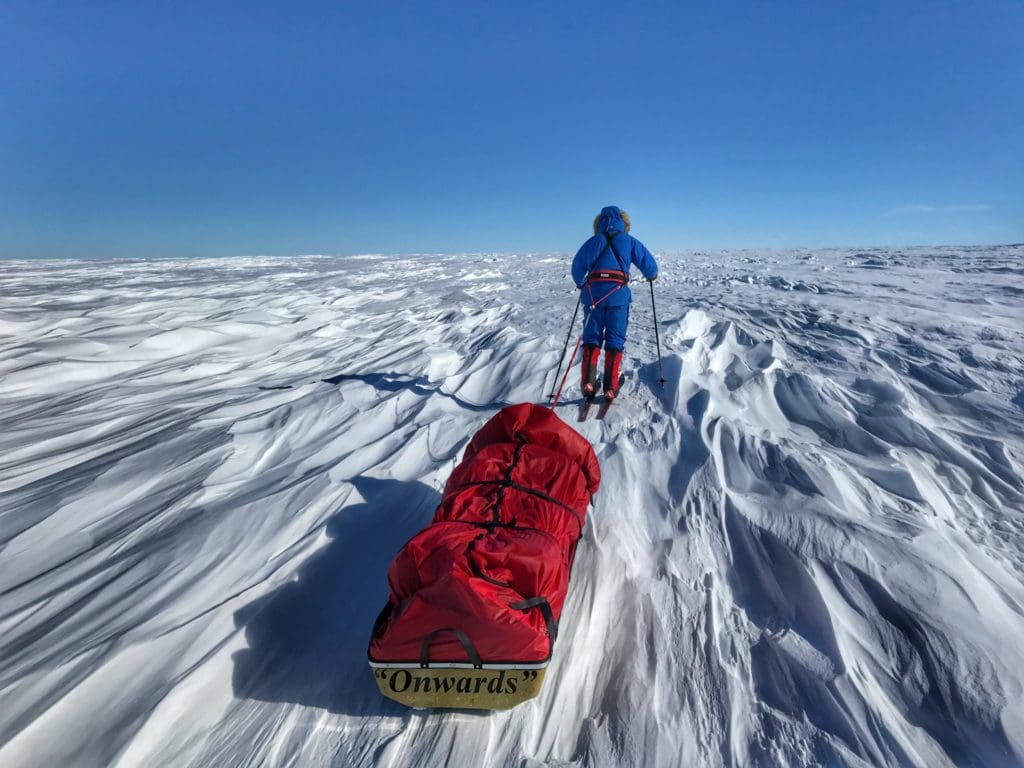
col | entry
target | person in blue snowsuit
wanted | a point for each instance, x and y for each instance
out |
(601, 272)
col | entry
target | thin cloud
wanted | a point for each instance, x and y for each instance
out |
(931, 210)
(977, 208)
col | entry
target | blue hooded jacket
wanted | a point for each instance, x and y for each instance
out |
(611, 248)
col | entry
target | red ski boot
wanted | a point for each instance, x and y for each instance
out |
(612, 364)
(589, 370)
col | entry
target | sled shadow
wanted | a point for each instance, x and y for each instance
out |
(418, 385)
(307, 639)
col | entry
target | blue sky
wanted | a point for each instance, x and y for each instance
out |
(207, 129)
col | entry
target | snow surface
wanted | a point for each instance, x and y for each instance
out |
(808, 547)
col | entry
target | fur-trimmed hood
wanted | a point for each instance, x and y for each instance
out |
(611, 219)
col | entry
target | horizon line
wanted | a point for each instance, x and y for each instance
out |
(484, 252)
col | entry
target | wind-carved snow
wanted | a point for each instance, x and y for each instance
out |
(807, 548)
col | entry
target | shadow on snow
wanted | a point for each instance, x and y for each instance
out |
(418, 385)
(308, 639)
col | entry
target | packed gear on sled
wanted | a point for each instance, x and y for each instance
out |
(601, 272)
(476, 597)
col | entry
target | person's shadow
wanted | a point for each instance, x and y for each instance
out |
(308, 639)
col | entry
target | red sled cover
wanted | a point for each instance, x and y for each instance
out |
(485, 582)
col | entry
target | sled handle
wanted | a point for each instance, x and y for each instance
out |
(545, 609)
(474, 657)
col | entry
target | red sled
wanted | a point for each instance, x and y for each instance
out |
(477, 595)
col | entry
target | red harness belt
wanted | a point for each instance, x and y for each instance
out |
(608, 276)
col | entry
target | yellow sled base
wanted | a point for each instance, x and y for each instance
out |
(459, 686)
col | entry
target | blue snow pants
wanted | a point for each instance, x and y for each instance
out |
(605, 325)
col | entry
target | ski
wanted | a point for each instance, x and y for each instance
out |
(588, 402)
(585, 409)
(603, 411)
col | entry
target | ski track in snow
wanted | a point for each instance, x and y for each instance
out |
(807, 548)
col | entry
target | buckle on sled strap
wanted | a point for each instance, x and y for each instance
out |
(545, 609)
(608, 276)
(467, 646)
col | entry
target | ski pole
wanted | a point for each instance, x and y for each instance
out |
(566, 346)
(566, 376)
(657, 340)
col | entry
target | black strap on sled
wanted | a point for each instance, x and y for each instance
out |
(475, 566)
(503, 484)
(545, 609)
(474, 657)
(496, 509)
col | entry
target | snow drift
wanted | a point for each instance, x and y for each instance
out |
(807, 548)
